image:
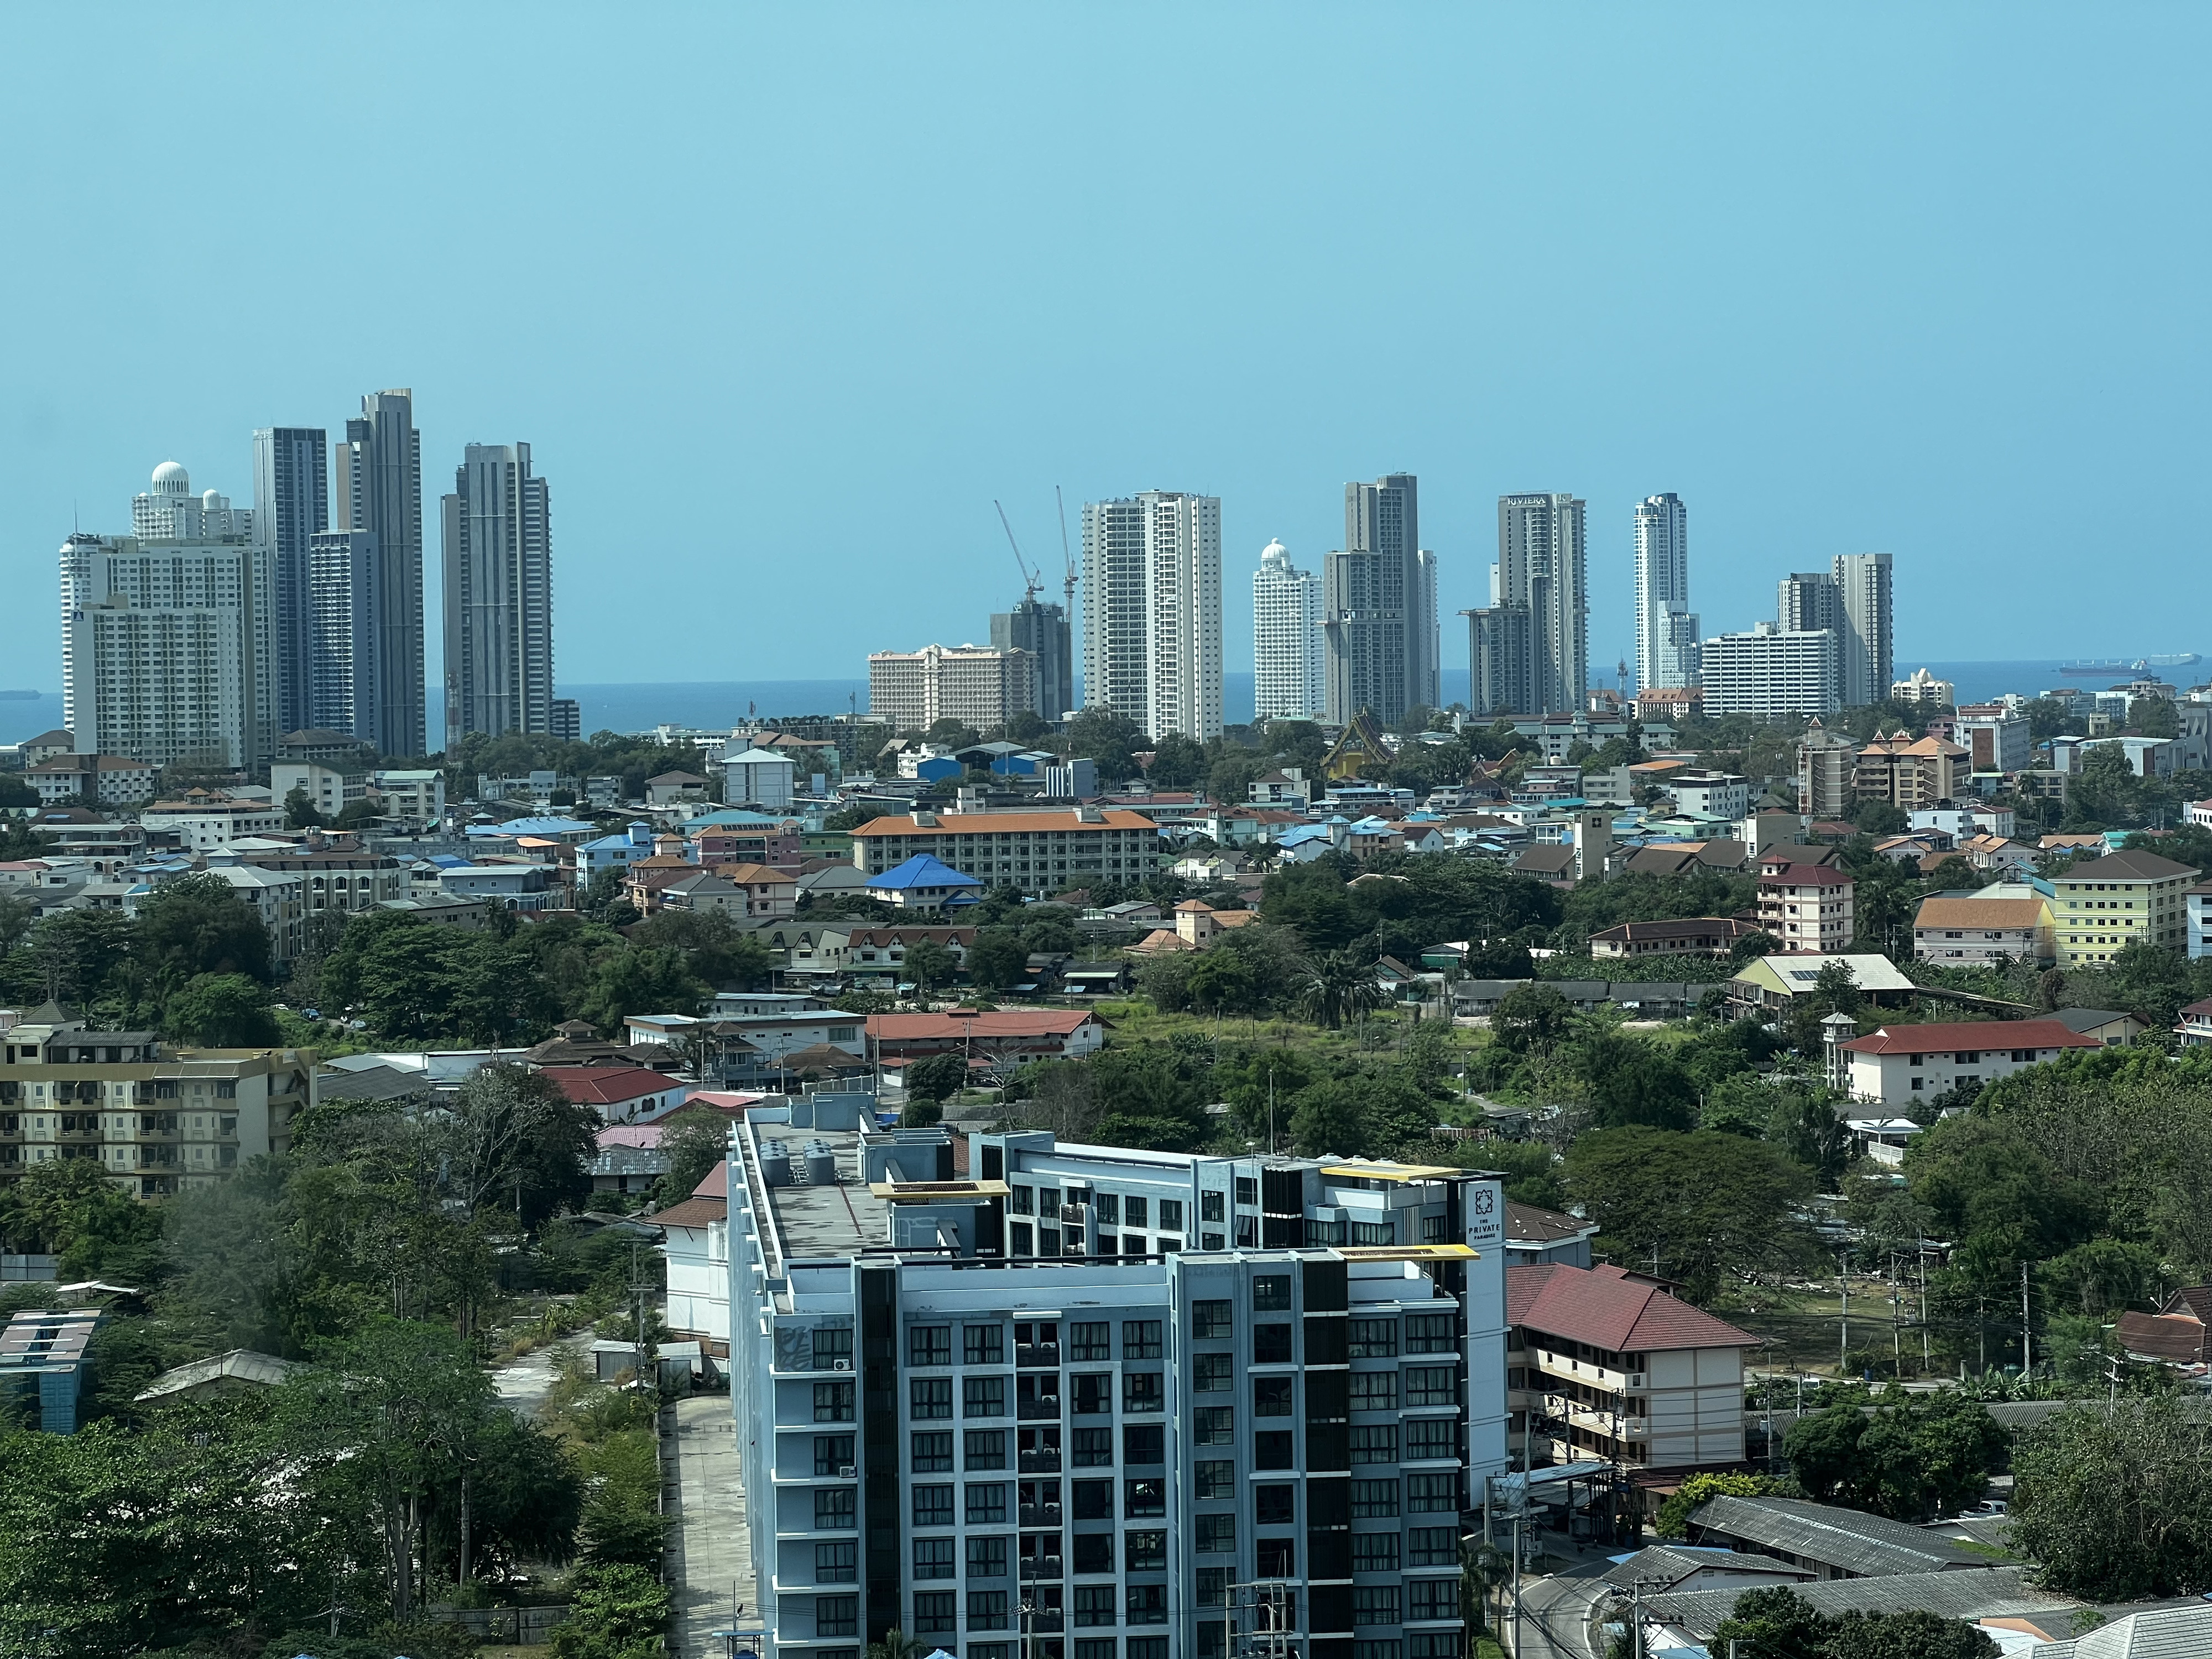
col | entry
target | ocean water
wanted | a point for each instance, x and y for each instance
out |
(717, 705)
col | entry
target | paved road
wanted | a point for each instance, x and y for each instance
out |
(710, 1538)
(1555, 1613)
(524, 1383)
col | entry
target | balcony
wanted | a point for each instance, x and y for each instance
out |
(1039, 1567)
(1036, 1356)
(1587, 1372)
(1039, 1408)
(1037, 1462)
(1595, 1421)
(1047, 1621)
(1040, 1515)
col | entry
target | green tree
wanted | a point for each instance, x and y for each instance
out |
(1150, 1095)
(1702, 1208)
(300, 810)
(1222, 982)
(1338, 986)
(2116, 1506)
(695, 1139)
(1108, 739)
(1531, 1018)
(1329, 1119)
(997, 958)
(647, 982)
(221, 1010)
(1673, 1520)
(615, 1611)
(1913, 1458)
(197, 925)
(1775, 1624)
(70, 1208)
(930, 965)
(1178, 762)
(937, 1077)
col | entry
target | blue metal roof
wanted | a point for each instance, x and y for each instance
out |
(530, 827)
(923, 870)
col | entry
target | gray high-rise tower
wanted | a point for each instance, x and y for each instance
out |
(1666, 628)
(497, 550)
(378, 489)
(1041, 629)
(1379, 606)
(291, 505)
(1851, 600)
(1530, 649)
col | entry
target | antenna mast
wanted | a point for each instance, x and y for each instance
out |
(1032, 580)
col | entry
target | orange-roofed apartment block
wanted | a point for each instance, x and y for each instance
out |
(1040, 852)
(1900, 1064)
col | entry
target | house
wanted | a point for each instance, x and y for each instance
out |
(45, 1355)
(760, 778)
(2105, 904)
(1915, 774)
(695, 1243)
(45, 746)
(924, 883)
(219, 1377)
(1534, 1237)
(882, 951)
(1709, 794)
(417, 795)
(1687, 858)
(670, 788)
(1994, 851)
(2196, 1028)
(1974, 929)
(1678, 1568)
(104, 779)
(1900, 1064)
(1699, 936)
(1288, 788)
(1198, 924)
(1806, 906)
(521, 885)
(1767, 985)
(619, 1094)
(202, 819)
(766, 891)
(1602, 1364)
(616, 852)
(2109, 1026)
(1552, 864)
(330, 787)
(1058, 1032)
(1361, 748)
(2179, 1334)
(1826, 1541)
(703, 892)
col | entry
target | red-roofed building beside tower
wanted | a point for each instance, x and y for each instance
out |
(1900, 1064)
(695, 1242)
(1806, 907)
(619, 1094)
(1603, 1364)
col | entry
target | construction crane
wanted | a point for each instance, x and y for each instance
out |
(1060, 502)
(1033, 578)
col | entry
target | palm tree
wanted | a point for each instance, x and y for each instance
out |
(896, 1644)
(1338, 986)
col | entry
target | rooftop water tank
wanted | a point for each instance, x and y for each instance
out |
(821, 1166)
(775, 1166)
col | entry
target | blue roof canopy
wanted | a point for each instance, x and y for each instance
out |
(922, 870)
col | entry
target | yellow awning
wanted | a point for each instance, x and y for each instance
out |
(1394, 1171)
(938, 1192)
(1409, 1252)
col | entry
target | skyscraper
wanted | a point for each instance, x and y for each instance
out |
(378, 487)
(1666, 628)
(1538, 630)
(343, 629)
(1851, 600)
(1152, 619)
(291, 503)
(1380, 606)
(1041, 630)
(1290, 675)
(497, 552)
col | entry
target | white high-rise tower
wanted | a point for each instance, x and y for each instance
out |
(1151, 616)
(1288, 679)
(1666, 628)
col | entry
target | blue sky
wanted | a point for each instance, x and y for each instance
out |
(784, 297)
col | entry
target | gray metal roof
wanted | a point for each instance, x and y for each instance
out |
(2184, 1632)
(1847, 1540)
(1671, 1564)
(1975, 1593)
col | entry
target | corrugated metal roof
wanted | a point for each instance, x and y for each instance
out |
(2183, 1632)
(1974, 1593)
(1849, 1540)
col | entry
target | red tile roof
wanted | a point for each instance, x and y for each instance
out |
(2165, 1336)
(1603, 1307)
(1803, 875)
(1003, 1023)
(691, 1212)
(715, 1184)
(605, 1085)
(1980, 1036)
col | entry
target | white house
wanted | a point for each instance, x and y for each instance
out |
(695, 1244)
(757, 777)
(1899, 1063)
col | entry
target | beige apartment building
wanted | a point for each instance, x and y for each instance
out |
(982, 686)
(2126, 898)
(156, 1118)
(1039, 852)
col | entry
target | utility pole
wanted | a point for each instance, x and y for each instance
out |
(1844, 1329)
(2027, 1336)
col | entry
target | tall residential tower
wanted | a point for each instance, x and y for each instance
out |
(497, 549)
(1041, 630)
(1530, 649)
(1289, 666)
(1380, 610)
(291, 505)
(1851, 600)
(1151, 616)
(378, 489)
(1666, 628)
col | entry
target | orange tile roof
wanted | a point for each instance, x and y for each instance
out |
(1602, 1306)
(991, 824)
(1980, 913)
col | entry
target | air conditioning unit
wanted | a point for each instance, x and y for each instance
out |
(845, 1471)
(841, 1365)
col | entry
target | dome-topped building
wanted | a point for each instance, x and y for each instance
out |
(170, 511)
(170, 478)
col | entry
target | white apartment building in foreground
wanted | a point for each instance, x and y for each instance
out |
(1089, 1401)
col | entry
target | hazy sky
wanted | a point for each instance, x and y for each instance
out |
(783, 297)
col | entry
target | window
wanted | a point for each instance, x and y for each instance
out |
(1372, 1339)
(1374, 1500)
(1428, 1494)
(1209, 1320)
(1210, 1242)
(1171, 1215)
(1431, 1385)
(1094, 1552)
(1217, 1535)
(1216, 1478)
(1375, 1552)
(1093, 1499)
(1375, 1391)
(1210, 1207)
(987, 1448)
(987, 1610)
(1274, 1450)
(929, 1345)
(834, 1508)
(1025, 1200)
(1275, 1505)
(1375, 1604)
(983, 1345)
(1144, 1552)
(1095, 1648)
(1374, 1443)
(1145, 1391)
(1432, 1598)
(1428, 1333)
(987, 1503)
(986, 1557)
(833, 1402)
(832, 1345)
(1433, 1546)
(1024, 1240)
(1431, 1437)
(930, 1396)
(933, 1453)
(1213, 1373)
(833, 1453)
(1089, 1340)
(1147, 1445)
(1143, 1498)
(1148, 1603)
(836, 1615)
(1248, 1190)
(1094, 1603)
(1213, 1426)
(1140, 1339)
(836, 1564)
(1374, 1232)
(1377, 1648)
(1248, 1232)
(935, 1612)
(1094, 1393)
(1094, 1449)
(1145, 1647)
(983, 1396)
(932, 1506)
(1277, 1558)
(1271, 1293)
(932, 1558)
(1108, 1244)
(1271, 1344)
(1271, 1396)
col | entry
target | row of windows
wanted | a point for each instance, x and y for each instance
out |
(984, 1345)
(1038, 1449)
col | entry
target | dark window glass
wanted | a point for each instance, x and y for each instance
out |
(1209, 1320)
(1271, 1344)
(1274, 1505)
(932, 1506)
(1090, 1340)
(1094, 1449)
(1143, 1498)
(1271, 1396)
(933, 1453)
(1140, 1339)
(987, 1448)
(833, 1453)
(929, 1345)
(983, 1345)
(1271, 1293)
(1093, 1499)
(1217, 1477)
(1144, 1445)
